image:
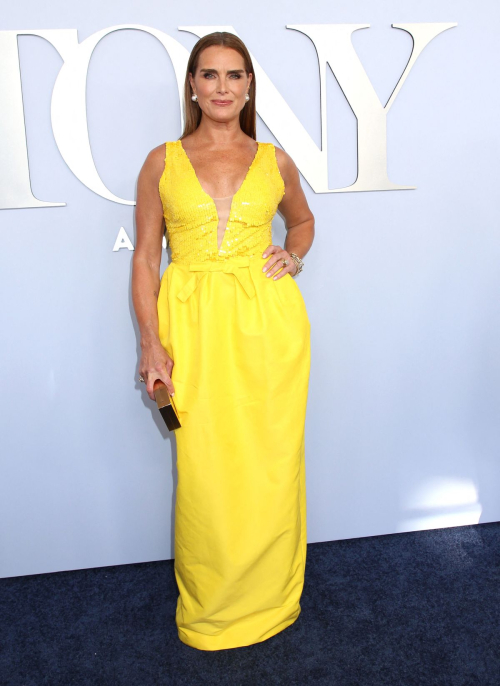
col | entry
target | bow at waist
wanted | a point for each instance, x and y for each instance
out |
(235, 265)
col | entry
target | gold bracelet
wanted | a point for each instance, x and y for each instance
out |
(298, 262)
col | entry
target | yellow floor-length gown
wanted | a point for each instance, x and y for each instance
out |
(240, 342)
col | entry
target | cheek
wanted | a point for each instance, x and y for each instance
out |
(205, 87)
(238, 86)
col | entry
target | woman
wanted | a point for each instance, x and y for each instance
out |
(226, 330)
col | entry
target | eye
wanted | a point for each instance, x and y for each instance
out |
(206, 75)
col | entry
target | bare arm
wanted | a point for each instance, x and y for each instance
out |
(155, 363)
(298, 218)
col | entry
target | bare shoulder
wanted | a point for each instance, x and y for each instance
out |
(154, 163)
(286, 165)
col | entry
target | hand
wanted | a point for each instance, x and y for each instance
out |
(275, 262)
(156, 364)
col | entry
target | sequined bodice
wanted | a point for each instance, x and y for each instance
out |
(194, 219)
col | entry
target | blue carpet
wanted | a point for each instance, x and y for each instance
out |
(412, 609)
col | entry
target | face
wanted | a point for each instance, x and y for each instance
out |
(221, 82)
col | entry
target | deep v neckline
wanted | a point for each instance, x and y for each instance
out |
(212, 201)
(198, 180)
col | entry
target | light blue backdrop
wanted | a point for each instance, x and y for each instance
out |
(402, 288)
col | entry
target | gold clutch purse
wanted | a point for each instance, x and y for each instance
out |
(166, 405)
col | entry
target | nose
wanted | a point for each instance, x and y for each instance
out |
(221, 86)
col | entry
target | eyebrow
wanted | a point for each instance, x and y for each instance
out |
(229, 71)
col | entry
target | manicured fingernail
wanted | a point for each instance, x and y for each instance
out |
(264, 269)
(264, 255)
(268, 274)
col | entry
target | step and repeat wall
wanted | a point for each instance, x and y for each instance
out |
(391, 114)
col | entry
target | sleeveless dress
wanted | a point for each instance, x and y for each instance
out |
(240, 343)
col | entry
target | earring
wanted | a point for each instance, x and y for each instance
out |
(247, 97)
(194, 97)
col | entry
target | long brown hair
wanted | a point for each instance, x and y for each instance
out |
(192, 110)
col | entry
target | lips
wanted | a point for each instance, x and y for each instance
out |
(221, 102)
